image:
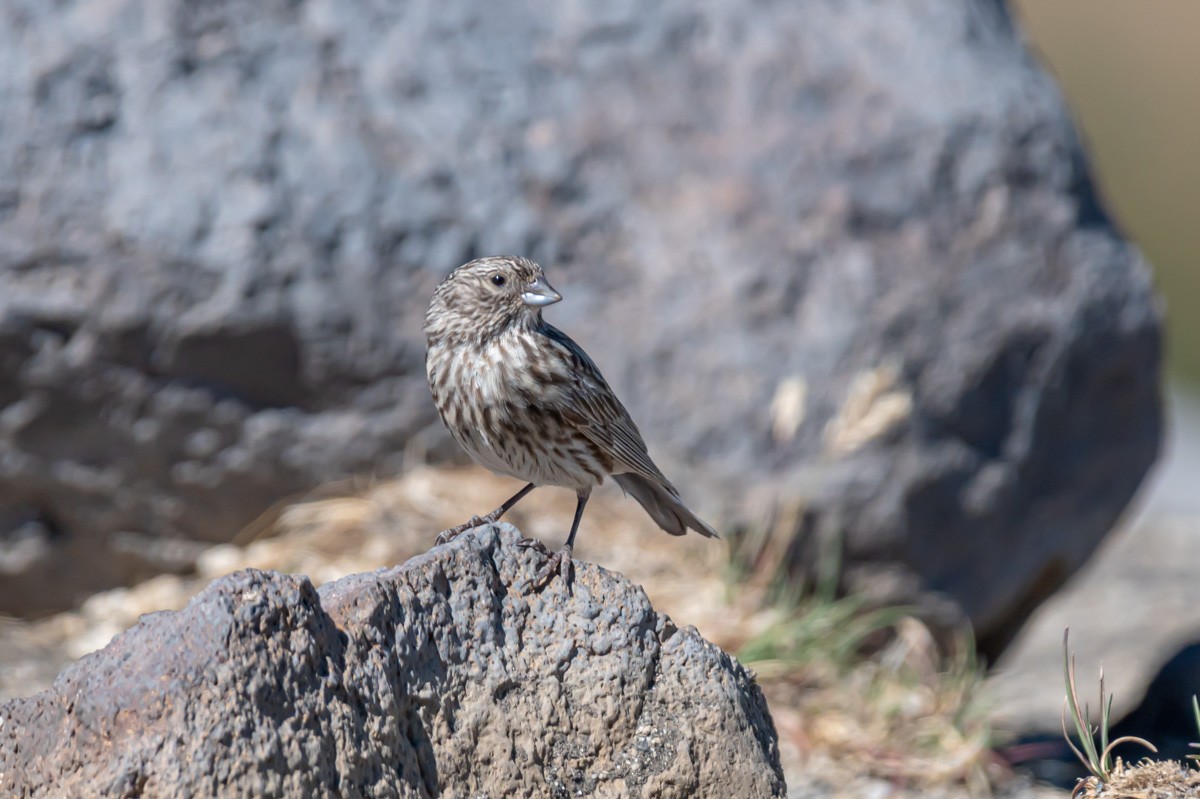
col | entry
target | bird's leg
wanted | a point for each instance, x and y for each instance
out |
(560, 561)
(446, 536)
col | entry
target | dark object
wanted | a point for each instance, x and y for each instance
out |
(1165, 716)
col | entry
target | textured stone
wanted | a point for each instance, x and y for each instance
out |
(841, 257)
(441, 677)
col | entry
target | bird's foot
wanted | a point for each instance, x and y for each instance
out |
(446, 536)
(560, 562)
(533, 543)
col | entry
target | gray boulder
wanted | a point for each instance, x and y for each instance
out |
(842, 260)
(441, 677)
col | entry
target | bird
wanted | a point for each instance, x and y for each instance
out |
(524, 400)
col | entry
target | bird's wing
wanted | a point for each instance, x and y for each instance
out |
(600, 416)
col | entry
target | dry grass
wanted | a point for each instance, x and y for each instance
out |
(901, 715)
(1150, 779)
(865, 701)
(857, 712)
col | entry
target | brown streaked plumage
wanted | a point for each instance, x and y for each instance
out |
(525, 400)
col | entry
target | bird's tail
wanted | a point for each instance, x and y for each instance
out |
(663, 505)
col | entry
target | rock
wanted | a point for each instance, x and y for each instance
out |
(841, 261)
(440, 677)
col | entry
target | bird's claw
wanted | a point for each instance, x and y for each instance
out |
(533, 543)
(560, 562)
(446, 536)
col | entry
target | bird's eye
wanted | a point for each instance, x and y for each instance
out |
(498, 280)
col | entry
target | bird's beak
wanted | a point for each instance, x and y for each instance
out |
(539, 293)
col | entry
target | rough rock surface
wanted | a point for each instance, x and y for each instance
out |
(843, 254)
(440, 677)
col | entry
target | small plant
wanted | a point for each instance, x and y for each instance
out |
(1196, 715)
(812, 621)
(833, 631)
(1096, 758)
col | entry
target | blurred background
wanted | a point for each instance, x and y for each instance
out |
(869, 277)
(1131, 80)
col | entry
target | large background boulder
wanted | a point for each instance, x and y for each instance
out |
(841, 259)
(439, 677)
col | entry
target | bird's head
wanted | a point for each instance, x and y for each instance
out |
(485, 296)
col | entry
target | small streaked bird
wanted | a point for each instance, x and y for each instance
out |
(525, 400)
